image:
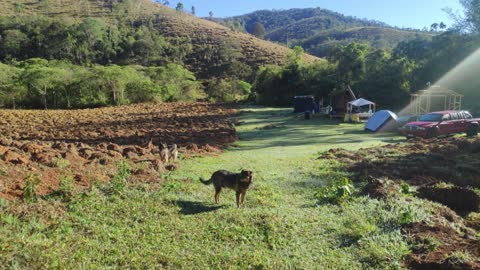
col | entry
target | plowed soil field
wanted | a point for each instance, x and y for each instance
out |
(446, 171)
(88, 144)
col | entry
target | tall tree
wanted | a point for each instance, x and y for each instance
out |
(470, 20)
(351, 61)
(210, 14)
(114, 79)
(258, 30)
(13, 44)
(42, 81)
(10, 86)
(179, 7)
(194, 11)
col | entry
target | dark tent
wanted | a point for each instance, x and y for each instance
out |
(303, 104)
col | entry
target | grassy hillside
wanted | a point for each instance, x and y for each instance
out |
(278, 19)
(377, 37)
(206, 38)
(315, 28)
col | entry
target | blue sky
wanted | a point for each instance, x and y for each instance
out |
(407, 13)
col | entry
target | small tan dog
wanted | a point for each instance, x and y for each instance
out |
(240, 182)
(164, 153)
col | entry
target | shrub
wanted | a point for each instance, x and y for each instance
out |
(459, 258)
(335, 192)
(66, 185)
(431, 243)
(119, 181)
(60, 163)
(408, 216)
(228, 90)
(405, 188)
(31, 184)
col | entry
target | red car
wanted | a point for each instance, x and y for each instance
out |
(442, 123)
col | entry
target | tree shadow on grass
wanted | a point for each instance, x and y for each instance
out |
(193, 208)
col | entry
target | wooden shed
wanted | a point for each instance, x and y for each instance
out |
(339, 100)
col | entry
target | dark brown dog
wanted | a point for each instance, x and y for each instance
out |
(240, 182)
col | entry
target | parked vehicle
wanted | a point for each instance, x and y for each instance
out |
(442, 123)
(405, 119)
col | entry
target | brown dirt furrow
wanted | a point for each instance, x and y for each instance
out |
(88, 144)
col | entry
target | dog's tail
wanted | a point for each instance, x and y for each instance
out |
(209, 182)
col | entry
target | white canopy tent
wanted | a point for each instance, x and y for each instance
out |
(357, 115)
(361, 103)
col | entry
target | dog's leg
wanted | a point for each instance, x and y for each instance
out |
(238, 199)
(243, 197)
(217, 194)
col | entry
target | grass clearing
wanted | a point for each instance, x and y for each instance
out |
(178, 226)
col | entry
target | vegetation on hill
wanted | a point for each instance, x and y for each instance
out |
(317, 30)
(79, 39)
(140, 24)
(321, 18)
(376, 37)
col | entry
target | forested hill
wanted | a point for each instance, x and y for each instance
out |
(129, 32)
(318, 29)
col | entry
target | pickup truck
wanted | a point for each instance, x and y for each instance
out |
(442, 123)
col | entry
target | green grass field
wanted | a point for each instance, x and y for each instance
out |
(283, 226)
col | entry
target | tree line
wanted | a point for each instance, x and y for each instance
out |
(55, 63)
(39, 83)
(58, 84)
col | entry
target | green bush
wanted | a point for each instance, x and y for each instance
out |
(335, 192)
(119, 181)
(228, 90)
(405, 188)
(408, 215)
(31, 184)
(67, 185)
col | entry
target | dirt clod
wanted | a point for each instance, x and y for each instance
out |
(380, 188)
(462, 200)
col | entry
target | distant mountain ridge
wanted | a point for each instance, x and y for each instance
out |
(318, 29)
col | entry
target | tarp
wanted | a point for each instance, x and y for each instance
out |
(303, 104)
(361, 102)
(379, 119)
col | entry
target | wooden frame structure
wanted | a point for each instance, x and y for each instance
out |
(421, 101)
